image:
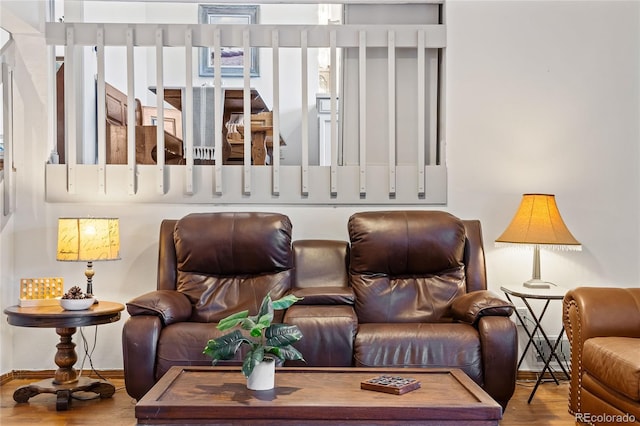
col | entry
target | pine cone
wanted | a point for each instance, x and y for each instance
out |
(74, 292)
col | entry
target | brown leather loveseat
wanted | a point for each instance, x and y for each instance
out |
(603, 327)
(408, 289)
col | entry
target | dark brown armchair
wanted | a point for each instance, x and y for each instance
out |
(422, 300)
(210, 266)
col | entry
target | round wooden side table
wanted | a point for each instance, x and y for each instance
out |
(65, 381)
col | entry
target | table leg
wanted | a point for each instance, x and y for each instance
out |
(65, 381)
(65, 358)
(553, 347)
(538, 322)
(64, 392)
(537, 319)
(554, 354)
(530, 334)
(547, 366)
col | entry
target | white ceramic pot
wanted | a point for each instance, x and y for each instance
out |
(263, 376)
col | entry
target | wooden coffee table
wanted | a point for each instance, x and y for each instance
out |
(312, 396)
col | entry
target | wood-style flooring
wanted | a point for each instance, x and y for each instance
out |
(548, 408)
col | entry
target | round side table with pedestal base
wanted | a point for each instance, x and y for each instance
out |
(65, 381)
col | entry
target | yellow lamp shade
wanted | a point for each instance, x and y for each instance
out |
(88, 239)
(538, 222)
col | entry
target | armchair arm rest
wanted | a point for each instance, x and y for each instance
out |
(470, 307)
(602, 312)
(327, 295)
(170, 305)
(140, 336)
(499, 340)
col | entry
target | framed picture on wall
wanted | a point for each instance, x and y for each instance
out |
(232, 57)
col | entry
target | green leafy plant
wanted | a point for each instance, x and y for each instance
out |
(265, 340)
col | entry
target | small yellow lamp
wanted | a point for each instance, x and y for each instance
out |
(538, 223)
(88, 240)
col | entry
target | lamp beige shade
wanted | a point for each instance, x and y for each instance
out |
(88, 239)
(538, 222)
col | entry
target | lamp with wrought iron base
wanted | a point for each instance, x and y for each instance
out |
(538, 223)
(88, 240)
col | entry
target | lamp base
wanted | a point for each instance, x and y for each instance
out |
(537, 283)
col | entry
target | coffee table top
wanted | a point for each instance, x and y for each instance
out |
(309, 395)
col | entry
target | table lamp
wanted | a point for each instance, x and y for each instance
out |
(88, 240)
(538, 223)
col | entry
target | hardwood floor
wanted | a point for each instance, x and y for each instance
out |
(548, 408)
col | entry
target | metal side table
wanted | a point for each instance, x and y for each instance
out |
(546, 294)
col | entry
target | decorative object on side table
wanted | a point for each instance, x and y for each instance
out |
(266, 341)
(538, 223)
(40, 291)
(88, 240)
(76, 300)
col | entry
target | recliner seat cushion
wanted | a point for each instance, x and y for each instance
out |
(328, 332)
(182, 344)
(614, 362)
(420, 345)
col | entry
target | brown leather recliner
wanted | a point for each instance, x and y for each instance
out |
(603, 327)
(422, 301)
(210, 265)
(439, 314)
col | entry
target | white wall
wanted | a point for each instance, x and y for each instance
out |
(541, 96)
(7, 296)
(544, 97)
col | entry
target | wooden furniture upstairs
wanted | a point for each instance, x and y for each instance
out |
(261, 138)
(116, 111)
(233, 141)
(261, 127)
(146, 132)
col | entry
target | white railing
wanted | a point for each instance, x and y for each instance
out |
(366, 182)
(7, 175)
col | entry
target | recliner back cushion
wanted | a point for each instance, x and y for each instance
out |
(406, 266)
(228, 262)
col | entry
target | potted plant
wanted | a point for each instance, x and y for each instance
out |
(266, 341)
